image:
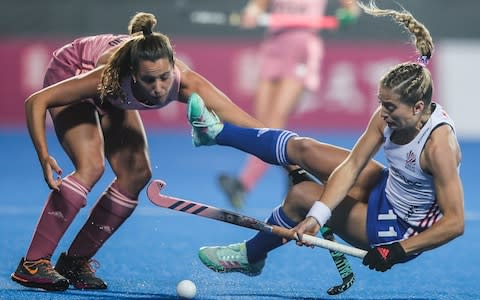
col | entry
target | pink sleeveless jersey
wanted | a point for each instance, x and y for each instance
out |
(81, 56)
(293, 52)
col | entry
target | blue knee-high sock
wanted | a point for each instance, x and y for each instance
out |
(264, 242)
(270, 145)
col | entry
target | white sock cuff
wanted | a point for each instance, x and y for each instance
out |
(320, 212)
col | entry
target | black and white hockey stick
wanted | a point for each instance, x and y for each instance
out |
(339, 259)
(341, 263)
(211, 212)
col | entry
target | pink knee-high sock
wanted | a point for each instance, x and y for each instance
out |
(111, 210)
(252, 172)
(59, 211)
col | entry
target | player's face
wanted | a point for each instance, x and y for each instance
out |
(154, 80)
(396, 114)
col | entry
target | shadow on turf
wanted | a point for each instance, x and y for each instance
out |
(92, 295)
(32, 294)
(275, 296)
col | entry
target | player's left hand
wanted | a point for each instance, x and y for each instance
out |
(50, 166)
(382, 258)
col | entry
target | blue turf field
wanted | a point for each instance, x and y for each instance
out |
(156, 248)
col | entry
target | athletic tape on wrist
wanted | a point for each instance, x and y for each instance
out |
(320, 212)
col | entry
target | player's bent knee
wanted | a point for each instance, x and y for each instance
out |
(143, 176)
(301, 197)
(137, 177)
(298, 148)
(90, 173)
(146, 176)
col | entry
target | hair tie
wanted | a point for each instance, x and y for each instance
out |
(146, 30)
(423, 60)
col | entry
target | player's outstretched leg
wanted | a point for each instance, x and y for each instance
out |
(247, 257)
(39, 274)
(79, 272)
(205, 124)
(270, 145)
(231, 258)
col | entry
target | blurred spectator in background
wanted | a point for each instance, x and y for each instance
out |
(290, 57)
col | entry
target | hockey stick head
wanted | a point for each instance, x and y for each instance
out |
(347, 282)
(155, 186)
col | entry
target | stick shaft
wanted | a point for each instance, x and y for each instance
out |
(265, 20)
(323, 243)
(280, 20)
(211, 212)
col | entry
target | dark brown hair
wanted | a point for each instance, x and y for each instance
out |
(144, 45)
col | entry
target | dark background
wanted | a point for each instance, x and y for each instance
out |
(54, 18)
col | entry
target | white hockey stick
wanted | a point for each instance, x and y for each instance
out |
(211, 212)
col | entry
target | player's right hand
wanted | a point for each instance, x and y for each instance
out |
(308, 226)
(50, 165)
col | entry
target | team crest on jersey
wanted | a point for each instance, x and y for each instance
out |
(410, 161)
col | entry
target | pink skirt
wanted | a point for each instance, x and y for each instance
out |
(292, 54)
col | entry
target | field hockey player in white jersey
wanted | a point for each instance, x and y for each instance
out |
(396, 212)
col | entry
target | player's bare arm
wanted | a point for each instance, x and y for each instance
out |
(214, 99)
(441, 158)
(36, 106)
(344, 176)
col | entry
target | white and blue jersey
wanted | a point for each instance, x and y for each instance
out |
(403, 203)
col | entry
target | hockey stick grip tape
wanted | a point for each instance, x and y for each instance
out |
(315, 241)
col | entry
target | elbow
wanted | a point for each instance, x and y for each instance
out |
(457, 228)
(34, 103)
(33, 107)
(28, 106)
(29, 102)
(30, 99)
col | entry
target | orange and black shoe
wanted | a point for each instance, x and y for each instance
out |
(39, 274)
(80, 271)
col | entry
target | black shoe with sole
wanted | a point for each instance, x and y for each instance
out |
(80, 272)
(39, 274)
